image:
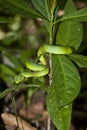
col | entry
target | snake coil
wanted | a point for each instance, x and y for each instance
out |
(41, 69)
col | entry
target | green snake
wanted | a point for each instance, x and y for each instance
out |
(41, 69)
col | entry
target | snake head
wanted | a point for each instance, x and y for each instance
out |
(18, 78)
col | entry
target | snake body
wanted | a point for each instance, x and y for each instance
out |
(41, 69)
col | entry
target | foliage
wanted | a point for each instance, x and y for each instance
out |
(64, 31)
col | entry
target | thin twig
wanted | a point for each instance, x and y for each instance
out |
(48, 123)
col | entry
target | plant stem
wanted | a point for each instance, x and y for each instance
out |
(51, 42)
(49, 123)
(51, 31)
(50, 57)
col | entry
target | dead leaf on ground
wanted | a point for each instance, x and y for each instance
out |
(10, 120)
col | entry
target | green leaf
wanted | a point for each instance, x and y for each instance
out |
(16, 64)
(5, 92)
(42, 6)
(19, 7)
(47, 25)
(5, 20)
(66, 79)
(81, 15)
(62, 117)
(80, 60)
(6, 70)
(64, 89)
(6, 74)
(12, 89)
(70, 31)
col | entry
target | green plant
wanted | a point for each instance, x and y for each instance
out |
(65, 32)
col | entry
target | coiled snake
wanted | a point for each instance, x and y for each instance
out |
(41, 69)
